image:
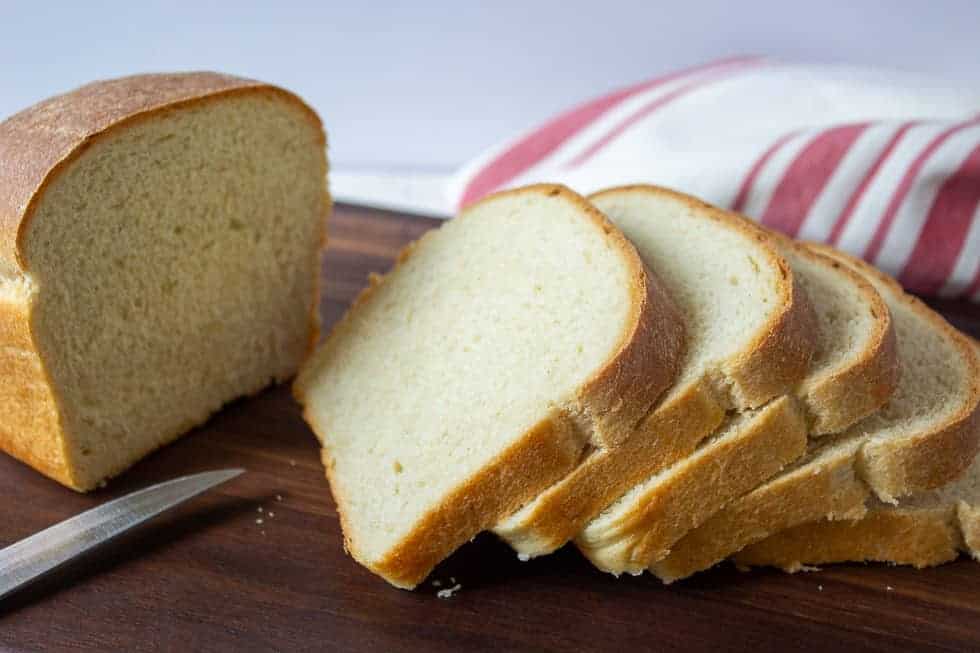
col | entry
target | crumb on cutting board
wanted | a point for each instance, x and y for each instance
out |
(449, 592)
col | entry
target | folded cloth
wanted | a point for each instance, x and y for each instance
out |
(884, 165)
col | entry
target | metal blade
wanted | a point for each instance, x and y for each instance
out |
(25, 561)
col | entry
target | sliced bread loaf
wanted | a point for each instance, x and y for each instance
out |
(853, 373)
(749, 338)
(503, 347)
(159, 241)
(926, 527)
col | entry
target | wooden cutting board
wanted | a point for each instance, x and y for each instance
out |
(258, 563)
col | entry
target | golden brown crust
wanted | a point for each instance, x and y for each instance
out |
(29, 428)
(968, 518)
(723, 470)
(921, 538)
(828, 486)
(936, 456)
(838, 400)
(36, 145)
(610, 403)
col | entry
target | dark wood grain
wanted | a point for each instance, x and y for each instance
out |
(208, 577)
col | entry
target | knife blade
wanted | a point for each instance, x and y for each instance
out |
(34, 556)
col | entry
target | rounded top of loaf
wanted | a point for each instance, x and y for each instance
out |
(38, 142)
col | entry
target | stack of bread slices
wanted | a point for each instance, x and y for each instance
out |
(661, 382)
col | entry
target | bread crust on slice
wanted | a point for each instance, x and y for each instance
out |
(655, 525)
(826, 485)
(36, 146)
(921, 538)
(605, 410)
(924, 530)
(836, 483)
(703, 483)
(775, 359)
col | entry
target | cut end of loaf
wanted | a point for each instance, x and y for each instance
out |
(173, 264)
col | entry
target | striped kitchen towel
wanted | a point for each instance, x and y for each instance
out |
(884, 165)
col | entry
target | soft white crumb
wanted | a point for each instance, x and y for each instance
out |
(437, 583)
(278, 497)
(271, 514)
(259, 509)
(523, 557)
(292, 463)
(448, 593)
(259, 521)
(820, 588)
(263, 532)
(889, 588)
(452, 579)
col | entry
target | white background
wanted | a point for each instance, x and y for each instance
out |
(425, 85)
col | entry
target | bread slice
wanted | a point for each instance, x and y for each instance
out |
(853, 374)
(503, 348)
(159, 257)
(923, 529)
(749, 337)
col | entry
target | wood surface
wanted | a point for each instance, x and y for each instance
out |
(210, 577)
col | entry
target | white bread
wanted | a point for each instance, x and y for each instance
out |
(926, 528)
(853, 373)
(749, 336)
(503, 347)
(159, 257)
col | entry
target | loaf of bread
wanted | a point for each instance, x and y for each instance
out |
(749, 337)
(159, 248)
(503, 348)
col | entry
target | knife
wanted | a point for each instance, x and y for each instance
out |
(25, 561)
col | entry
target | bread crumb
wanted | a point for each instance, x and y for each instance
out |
(292, 463)
(259, 521)
(523, 557)
(263, 532)
(278, 497)
(889, 588)
(259, 509)
(452, 579)
(437, 583)
(271, 514)
(819, 588)
(448, 593)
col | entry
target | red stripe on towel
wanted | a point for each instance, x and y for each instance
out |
(858, 193)
(945, 230)
(646, 110)
(807, 176)
(742, 198)
(874, 247)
